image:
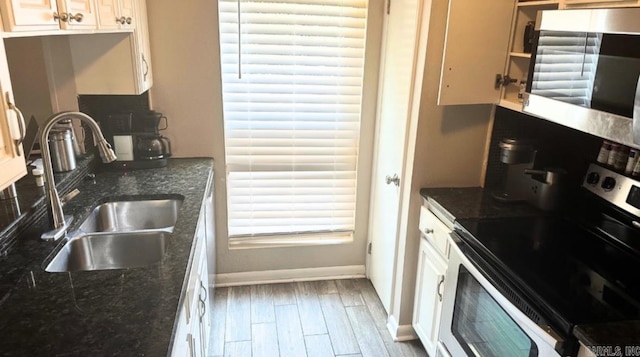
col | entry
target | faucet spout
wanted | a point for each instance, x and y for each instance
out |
(106, 153)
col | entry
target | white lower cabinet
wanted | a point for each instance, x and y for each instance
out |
(432, 268)
(191, 336)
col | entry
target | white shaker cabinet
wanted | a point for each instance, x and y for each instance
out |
(114, 63)
(191, 337)
(484, 61)
(42, 15)
(432, 268)
(475, 49)
(116, 14)
(12, 129)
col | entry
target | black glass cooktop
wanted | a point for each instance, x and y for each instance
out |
(574, 272)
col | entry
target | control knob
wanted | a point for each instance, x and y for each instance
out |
(609, 183)
(593, 178)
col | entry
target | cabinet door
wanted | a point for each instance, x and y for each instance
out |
(428, 299)
(142, 51)
(127, 12)
(108, 14)
(82, 14)
(29, 15)
(205, 307)
(12, 163)
(475, 50)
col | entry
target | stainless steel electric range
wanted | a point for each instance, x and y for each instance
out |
(524, 283)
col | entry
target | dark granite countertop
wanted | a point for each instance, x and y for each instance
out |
(477, 203)
(102, 313)
(473, 202)
(620, 333)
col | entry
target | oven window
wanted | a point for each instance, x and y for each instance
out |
(482, 327)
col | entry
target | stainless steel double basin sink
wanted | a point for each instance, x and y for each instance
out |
(119, 234)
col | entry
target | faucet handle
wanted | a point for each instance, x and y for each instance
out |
(69, 196)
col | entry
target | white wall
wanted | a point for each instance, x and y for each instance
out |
(187, 88)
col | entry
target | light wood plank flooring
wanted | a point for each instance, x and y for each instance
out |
(315, 319)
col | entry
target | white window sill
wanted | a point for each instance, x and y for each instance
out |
(297, 240)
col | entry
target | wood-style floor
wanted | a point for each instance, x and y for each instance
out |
(314, 319)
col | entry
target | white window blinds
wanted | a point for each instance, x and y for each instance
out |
(292, 85)
(565, 66)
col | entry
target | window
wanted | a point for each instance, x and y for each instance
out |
(292, 73)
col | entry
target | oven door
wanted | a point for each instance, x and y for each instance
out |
(479, 321)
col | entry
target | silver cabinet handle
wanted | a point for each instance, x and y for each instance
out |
(64, 17)
(77, 17)
(21, 124)
(440, 284)
(428, 231)
(120, 20)
(192, 345)
(128, 20)
(146, 67)
(395, 179)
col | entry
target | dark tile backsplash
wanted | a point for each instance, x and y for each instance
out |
(558, 146)
(100, 106)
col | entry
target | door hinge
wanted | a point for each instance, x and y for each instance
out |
(388, 7)
(503, 81)
(369, 248)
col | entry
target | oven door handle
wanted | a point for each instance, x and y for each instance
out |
(544, 332)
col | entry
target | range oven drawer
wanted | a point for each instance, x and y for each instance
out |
(435, 231)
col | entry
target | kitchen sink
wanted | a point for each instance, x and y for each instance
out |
(119, 234)
(126, 216)
(110, 251)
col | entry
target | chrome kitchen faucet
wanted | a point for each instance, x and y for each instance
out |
(60, 224)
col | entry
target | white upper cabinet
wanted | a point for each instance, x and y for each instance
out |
(475, 51)
(41, 15)
(114, 63)
(12, 129)
(116, 14)
(81, 14)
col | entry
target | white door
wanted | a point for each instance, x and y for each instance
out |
(395, 99)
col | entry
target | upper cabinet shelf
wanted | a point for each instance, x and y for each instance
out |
(537, 3)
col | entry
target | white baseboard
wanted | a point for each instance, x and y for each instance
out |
(400, 332)
(288, 275)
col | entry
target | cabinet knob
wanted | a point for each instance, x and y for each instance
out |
(64, 17)
(129, 20)
(428, 231)
(77, 17)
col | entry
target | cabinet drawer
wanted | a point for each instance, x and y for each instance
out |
(435, 231)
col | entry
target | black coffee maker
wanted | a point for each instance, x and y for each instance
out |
(137, 140)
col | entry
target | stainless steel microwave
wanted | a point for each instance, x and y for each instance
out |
(584, 72)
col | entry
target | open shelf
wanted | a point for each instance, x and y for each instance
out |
(520, 55)
(506, 103)
(537, 3)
